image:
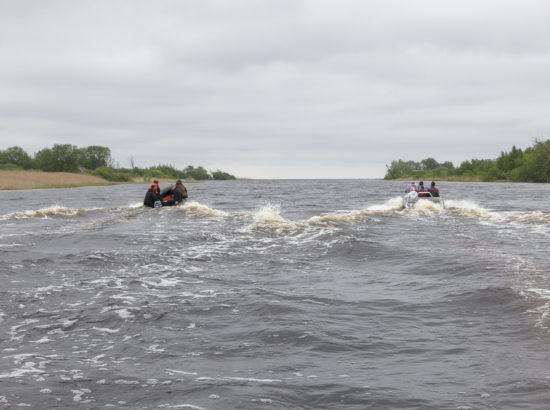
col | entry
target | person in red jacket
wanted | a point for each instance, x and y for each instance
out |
(421, 189)
(412, 188)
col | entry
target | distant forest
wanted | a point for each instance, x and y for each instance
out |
(531, 165)
(96, 160)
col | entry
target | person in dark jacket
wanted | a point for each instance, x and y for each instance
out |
(179, 194)
(152, 197)
(434, 190)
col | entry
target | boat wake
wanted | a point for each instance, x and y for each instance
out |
(269, 216)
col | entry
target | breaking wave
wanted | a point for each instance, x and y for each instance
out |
(470, 209)
(197, 209)
(424, 208)
(58, 210)
(467, 209)
(269, 217)
(54, 210)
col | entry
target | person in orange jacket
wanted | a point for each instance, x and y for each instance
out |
(152, 197)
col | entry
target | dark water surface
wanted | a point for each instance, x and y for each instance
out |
(275, 295)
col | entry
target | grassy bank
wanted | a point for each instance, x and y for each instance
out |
(19, 179)
(451, 179)
(37, 179)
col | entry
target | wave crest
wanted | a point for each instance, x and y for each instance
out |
(197, 209)
(269, 216)
(54, 210)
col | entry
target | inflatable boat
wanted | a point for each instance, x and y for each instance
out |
(166, 193)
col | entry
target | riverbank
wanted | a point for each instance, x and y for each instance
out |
(447, 179)
(20, 179)
(37, 179)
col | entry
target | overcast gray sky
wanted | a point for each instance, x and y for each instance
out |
(276, 88)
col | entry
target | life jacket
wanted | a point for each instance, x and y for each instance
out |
(155, 186)
(421, 191)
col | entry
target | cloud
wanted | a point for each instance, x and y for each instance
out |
(276, 88)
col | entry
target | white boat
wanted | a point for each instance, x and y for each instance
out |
(412, 198)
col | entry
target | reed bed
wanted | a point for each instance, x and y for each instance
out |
(38, 179)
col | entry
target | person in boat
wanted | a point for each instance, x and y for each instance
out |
(179, 194)
(421, 190)
(152, 197)
(412, 188)
(434, 190)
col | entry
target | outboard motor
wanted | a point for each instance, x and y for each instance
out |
(410, 199)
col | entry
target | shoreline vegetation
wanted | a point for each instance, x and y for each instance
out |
(10, 180)
(530, 165)
(65, 165)
(24, 179)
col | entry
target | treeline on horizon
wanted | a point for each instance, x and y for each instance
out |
(530, 165)
(96, 160)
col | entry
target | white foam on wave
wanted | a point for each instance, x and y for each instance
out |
(336, 217)
(161, 282)
(79, 393)
(10, 245)
(424, 208)
(388, 207)
(535, 217)
(54, 210)
(59, 210)
(181, 406)
(392, 204)
(135, 205)
(127, 382)
(531, 283)
(193, 208)
(238, 379)
(172, 371)
(45, 339)
(106, 329)
(471, 209)
(468, 209)
(124, 314)
(269, 217)
(542, 311)
(28, 368)
(154, 349)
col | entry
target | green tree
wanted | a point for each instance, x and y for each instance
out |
(110, 174)
(429, 163)
(465, 168)
(536, 164)
(16, 156)
(94, 156)
(220, 175)
(60, 158)
(43, 160)
(448, 165)
(198, 173)
(401, 169)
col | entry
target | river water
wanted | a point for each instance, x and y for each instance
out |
(276, 294)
